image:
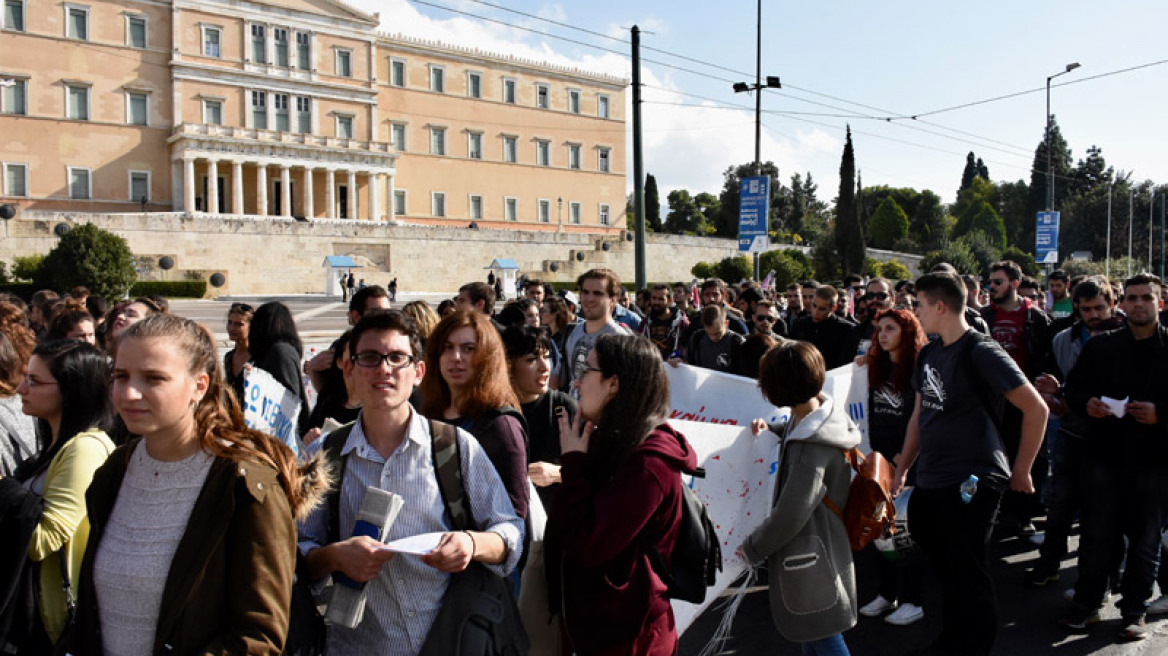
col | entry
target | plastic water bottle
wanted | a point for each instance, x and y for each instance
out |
(969, 488)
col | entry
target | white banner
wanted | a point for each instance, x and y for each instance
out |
(271, 408)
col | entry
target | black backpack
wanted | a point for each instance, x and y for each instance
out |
(697, 554)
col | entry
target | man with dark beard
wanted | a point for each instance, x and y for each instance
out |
(666, 323)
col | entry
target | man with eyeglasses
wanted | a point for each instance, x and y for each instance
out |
(389, 447)
(1021, 329)
(1118, 385)
(371, 297)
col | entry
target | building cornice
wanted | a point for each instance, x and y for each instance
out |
(184, 70)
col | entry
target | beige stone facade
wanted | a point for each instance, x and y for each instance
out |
(296, 108)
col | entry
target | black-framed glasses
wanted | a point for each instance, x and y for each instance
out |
(880, 296)
(998, 281)
(765, 317)
(395, 359)
(588, 369)
(241, 308)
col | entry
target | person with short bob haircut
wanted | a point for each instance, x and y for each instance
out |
(805, 542)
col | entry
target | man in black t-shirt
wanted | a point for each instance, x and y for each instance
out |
(959, 379)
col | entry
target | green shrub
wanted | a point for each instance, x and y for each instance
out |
(170, 288)
(1022, 259)
(702, 270)
(889, 225)
(894, 270)
(89, 256)
(26, 267)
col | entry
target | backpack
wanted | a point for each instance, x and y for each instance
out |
(869, 512)
(697, 554)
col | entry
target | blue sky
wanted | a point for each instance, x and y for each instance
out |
(898, 58)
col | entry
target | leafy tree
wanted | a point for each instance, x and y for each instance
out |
(895, 270)
(1061, 164)
(726, 220)
(824, 260)
(984, 250)
(889, 225)
(983, 171)
(4, 273)
(986, 221)
(789, 266)
(702, 270)
(849, 234)
(735, 268)
(25, 267)
(969, 173)
(652, 204)
(980, 191)
(630, 213)
(1023, 259)
(89, 256)
(1011, 204)
(798, 205)
(956, 253)
(684, 215)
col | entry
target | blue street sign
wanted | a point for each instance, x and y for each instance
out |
(1046, 238)
(754, 203)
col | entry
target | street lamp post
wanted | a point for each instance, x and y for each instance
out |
(1049, 170)
(772, 82)
(560, 214)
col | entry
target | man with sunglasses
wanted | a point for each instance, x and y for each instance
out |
(752, 296)
(1118, 385)
(878, 298)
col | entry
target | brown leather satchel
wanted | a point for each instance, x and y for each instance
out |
(869, 512)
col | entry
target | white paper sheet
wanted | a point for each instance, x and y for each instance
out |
(419, 545)
(1118, 407)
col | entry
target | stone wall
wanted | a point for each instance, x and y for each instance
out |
(285, 256)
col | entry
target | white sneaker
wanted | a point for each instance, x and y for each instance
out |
(1159, 606)
(1069, 595)
(877, 607)
(905, 615)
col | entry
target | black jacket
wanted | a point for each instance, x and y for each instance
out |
(829, 336)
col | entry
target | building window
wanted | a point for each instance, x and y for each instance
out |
(543, 153)
(604, 214)
(541, 96)
(545, 211)
(574, 213)
(77, 105)
(140, 186)
(344, 63)
(474, 148)
(14, 16)
(211, 42)
(474, 85)
(437, 141)
(77, 22)
(303, 114)
(511, 208)
(14, 97)
(280, 105)
(574, 156)
(475, 207)
(344, 127)
(438, 203)
(574, 101)
(511, 149)
(303, 50)
(259, 110)
(79, 184)
(280, 36)
(213, 112)
(136, 31)
(137, 108)
(437, 79)
(398, 135)
(509, 91)
(397, 72)
(602, 106)
(399, 202)
(15, 180)
(602, 157)
(259, 44)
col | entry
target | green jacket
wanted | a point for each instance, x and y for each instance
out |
(230, 583)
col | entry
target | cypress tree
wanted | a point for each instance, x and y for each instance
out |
(849, 235)
(652, 204)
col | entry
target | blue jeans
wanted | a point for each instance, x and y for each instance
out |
(829, 646)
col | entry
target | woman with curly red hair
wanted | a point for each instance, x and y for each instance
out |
(891, 398)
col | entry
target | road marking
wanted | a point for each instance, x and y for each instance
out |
(316, 311)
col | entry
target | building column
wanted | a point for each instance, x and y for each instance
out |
(236, 187)
(330, 194)
(262, 189)
(392, 199)
(309, 211)
(285, 191)
(375, 183)
(212, 186)
(352, 196)
(188, 185)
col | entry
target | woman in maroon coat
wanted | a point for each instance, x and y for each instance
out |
(621, 490)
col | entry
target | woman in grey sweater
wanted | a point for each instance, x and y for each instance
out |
(813, 584)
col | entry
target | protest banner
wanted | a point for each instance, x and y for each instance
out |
(271, 408)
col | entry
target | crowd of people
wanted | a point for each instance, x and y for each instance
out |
(142, 515)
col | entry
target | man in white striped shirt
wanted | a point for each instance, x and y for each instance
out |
(390, 447)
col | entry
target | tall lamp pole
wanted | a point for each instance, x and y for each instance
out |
(772, 82)
(1049, 170)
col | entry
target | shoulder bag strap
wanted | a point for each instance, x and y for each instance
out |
(447, 459)
(333, 445)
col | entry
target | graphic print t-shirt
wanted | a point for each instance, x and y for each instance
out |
(957, 435)
(1009, 330)
(888, 415)
(579, 345)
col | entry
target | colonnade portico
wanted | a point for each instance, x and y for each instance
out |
(284, 179)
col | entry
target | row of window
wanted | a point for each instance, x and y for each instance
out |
(474, 148)
(16, 182)
(14, 100)
(508, 91)
(543, 208)
(77, 22)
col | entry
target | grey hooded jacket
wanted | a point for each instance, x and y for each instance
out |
(813, 583)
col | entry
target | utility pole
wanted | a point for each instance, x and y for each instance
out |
(1131, 222)
(1107, 261)
(1151, 222)
(638, 164)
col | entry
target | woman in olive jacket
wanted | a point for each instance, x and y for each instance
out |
(216, 499)
(813, 584)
